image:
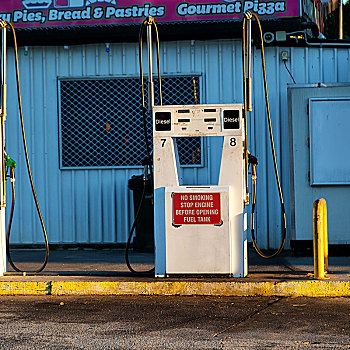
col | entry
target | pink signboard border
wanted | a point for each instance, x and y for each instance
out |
(47, 13)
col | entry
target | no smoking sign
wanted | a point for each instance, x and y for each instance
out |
(196, 208)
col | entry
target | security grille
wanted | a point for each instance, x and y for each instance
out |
(101, 121)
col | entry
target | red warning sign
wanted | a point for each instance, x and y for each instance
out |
(196, 208)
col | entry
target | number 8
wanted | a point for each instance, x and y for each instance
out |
(233, 142)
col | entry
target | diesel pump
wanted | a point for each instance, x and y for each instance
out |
(202, 229)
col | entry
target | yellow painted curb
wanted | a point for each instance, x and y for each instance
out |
(25, 288)
(304, 288)
(308, 288)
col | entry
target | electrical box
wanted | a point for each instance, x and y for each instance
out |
(199, 229)
(319, 167)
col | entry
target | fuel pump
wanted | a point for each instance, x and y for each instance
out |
(203, 229)
(199, 229)
(8, 163)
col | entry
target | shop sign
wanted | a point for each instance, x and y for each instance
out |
(31, 13)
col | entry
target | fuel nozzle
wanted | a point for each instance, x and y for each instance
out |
(10, 162)
(147, 163)
(148, 176)
(252, 159)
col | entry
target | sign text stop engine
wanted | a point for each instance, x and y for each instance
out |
(196, 208)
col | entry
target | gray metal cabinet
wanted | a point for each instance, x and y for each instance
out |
(319, 124)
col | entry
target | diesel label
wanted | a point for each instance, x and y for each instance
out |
(231, 119)
(163, 121)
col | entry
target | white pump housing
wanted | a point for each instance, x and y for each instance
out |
(199, 229)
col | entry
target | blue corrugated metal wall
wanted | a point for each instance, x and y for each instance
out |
(95, 206)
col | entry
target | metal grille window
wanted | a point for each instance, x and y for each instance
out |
(101, 121)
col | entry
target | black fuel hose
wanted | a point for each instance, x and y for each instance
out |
(28, 170)
(148, 159)
(128, 243)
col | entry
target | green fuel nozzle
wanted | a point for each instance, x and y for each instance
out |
(10, 162)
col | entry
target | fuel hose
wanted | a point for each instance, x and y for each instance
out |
(41, 268)
(128, 243)
(248, 15)
(148, 160)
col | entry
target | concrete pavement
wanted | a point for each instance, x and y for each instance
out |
(173, 322)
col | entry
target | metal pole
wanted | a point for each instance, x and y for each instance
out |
(341, 19)
(3, 259)
(3, 74)
(249, 65)
(3, 110)
(150, 66)
(320, 239)
(325, 237)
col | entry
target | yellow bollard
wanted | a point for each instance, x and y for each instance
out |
(320, 239)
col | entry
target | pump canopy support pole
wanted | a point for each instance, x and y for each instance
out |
(4, 110)
(3, 73)
(249, 65)
(340, 19)
(150, 66)
(247, 89)
(3, 259)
